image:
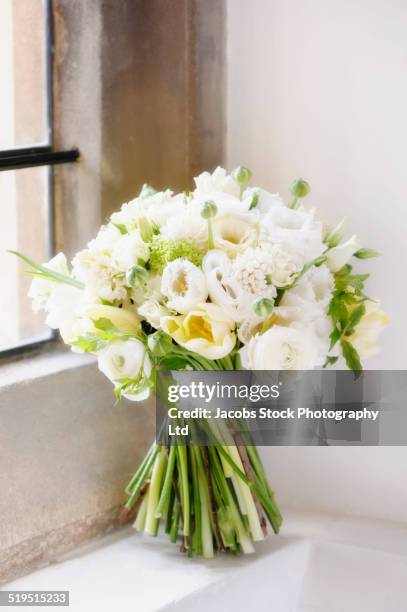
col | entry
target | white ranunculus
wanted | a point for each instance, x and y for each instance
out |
(129, 250)
(339, 256)
(152, 311)
(123, 360)
(184, 285)
(219, 180)
(281, 348)
(248, 328)
(368, 330)
(296, 231)
(103, 281)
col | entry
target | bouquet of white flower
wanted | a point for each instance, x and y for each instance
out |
(225, 277)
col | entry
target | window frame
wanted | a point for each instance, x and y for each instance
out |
(42, 154)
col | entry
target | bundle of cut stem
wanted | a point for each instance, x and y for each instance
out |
(210, 498)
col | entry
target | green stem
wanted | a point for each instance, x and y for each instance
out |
(167, 486)
(151, 526)
(184, 487)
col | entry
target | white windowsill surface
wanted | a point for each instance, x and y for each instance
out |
(319, 564)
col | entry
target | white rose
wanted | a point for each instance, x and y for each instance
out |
(126, 360)
(128, 250)
(184, 285)
(368, 329)
(152, 311)
(339, 256)
(295, 230)
(281, 348)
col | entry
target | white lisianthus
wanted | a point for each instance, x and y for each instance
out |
(339, 256)
(129, 250)
(60, 301)
(126, 360)
(186, 225)
(207, 183)
(205, 330)
(41, 289)
(265, 199)
(296, 231)
(103, 281)
(184, 285)
(106, 239)
(368, 330)
(158, 207)
(281, 348)
(234, 233)
(152, 311)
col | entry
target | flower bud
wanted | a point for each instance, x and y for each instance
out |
(146, 229)
(159, 343)
(147, 191)
(242, 175)
(137, 276)
(263, 307)
(209, 210)
(300, 188)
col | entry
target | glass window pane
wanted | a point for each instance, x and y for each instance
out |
(24, 227)
(23, 107)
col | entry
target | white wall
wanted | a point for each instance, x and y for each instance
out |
(318, 89)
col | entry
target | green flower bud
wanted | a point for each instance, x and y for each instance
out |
(242, 175)
(263, 307)
(209, 210)
(159, 343)
(137, 276)
(146, 229)
(300, 188)
(147, 191)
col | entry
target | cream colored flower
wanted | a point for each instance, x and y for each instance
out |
(234, 233)
(368, 330)
(205, 330)
(152, 311)
(125, 320)
(340, 255)
(184, 285)
(281, 348)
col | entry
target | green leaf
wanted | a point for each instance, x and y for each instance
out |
(121, 227)
(330, 360)
(351, 356)
(174, 362)
(366, 253)
(334, 337)
(354, 318)
(90, 343)
(255, 201)
(46, 273)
